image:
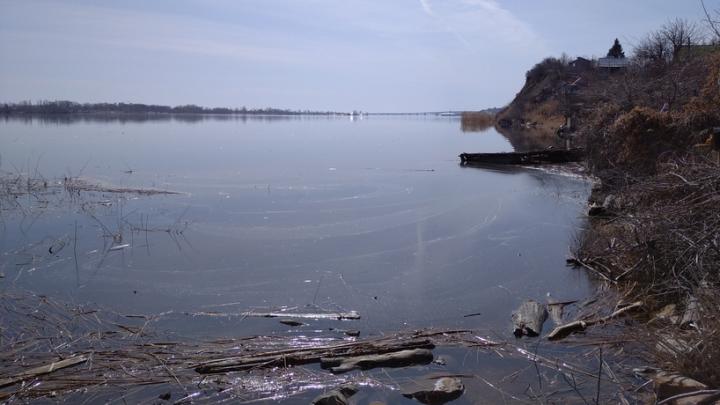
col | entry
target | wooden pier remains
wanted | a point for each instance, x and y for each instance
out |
(524, 158)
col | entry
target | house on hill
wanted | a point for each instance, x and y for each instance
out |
(581, 64)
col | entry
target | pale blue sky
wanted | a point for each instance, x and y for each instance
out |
(371, 55)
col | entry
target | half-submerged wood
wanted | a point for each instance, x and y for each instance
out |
(524, 158)
(300, 356)
(401, 358)
(529, 318)
(567, 329)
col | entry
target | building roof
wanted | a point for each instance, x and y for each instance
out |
(611, 62)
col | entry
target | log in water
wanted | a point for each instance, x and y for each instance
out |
(524, 158)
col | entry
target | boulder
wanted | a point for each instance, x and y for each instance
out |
(338, 396)
(529, 318)
(444, 390)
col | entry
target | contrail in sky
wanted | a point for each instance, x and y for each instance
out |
(426, 7)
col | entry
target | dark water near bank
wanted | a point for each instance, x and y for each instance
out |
(307, 214)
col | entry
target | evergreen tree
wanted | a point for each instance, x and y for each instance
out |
(616, 51)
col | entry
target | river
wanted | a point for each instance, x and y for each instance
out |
(296, 214)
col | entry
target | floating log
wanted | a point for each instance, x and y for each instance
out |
(402, 358)
(524, 158)
(529, 318)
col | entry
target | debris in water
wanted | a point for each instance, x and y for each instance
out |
(291, 322)
(352, 315)
(401, 358)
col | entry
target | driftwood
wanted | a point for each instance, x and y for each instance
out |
(529, 318)
(352, 315)
(46, 369)
(401, 358)
(567, 329)
(524, 158)
(294, 357)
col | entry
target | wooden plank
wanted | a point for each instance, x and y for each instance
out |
(42, 370)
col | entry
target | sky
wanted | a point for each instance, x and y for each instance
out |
(339, 55)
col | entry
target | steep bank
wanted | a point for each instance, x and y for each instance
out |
(654, 233)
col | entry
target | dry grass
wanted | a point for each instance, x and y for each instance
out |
(661, 237)
(476, 121)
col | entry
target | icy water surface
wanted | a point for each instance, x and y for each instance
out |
(303, 215)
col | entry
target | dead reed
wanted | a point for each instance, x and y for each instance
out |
(659, 235)
(472, 121)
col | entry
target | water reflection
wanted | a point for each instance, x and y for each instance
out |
(122, 118)
(304, 214)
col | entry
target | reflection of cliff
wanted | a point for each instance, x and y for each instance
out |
(529, 139)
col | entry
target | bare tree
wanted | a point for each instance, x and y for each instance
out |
(681, 33)
(653, 48)
(712, 21)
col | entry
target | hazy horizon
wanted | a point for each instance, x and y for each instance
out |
(401, 56)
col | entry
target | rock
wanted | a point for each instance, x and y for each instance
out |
(444, 390)
(338, 396)
(402, 358)
(353, 333)
(596, 210)
(667, 313)
(671, 384)
(609, 202)
(672, 345)
(291, 322)
(440, 361)
(529, 318)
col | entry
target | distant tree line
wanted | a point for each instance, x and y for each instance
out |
(71, 107)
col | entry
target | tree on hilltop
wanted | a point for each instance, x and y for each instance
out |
(616, 51)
